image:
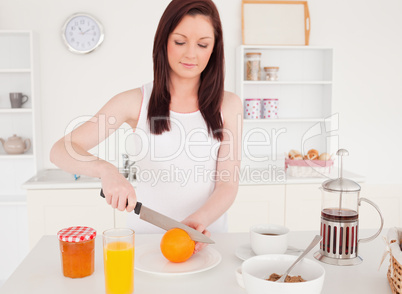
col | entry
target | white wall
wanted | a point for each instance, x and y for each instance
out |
(366, 35)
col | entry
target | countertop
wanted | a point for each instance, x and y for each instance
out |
(40, 272)
(59, 179)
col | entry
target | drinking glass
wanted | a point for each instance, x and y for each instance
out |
(118, 259)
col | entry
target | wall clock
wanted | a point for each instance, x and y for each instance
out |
(82, 33)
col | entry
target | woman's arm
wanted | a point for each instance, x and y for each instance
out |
(228, 166)
(70, 153)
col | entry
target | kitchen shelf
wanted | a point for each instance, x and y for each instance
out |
(284, 120)
(298, 48)
(15, 110)
(287, 83)
(16, 70)
(10, 199)
(16, 156)
(304, 93)
(18, 60)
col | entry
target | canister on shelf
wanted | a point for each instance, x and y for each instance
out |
(271, 73)
(270, 108)
(77, 248)
(252, 108)
(253, 61)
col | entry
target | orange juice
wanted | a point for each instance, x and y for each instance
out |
(119, 267)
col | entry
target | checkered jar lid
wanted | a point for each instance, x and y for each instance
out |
(76, 234)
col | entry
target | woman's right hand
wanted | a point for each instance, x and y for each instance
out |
(118, 191)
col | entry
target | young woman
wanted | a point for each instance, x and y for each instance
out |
(191, 126)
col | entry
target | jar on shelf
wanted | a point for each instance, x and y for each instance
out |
(271, 73)
(270, 108)
(252, 109)
(253, 61)
(77, 248)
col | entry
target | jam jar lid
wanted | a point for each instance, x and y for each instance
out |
(76, 234)
(341, 184)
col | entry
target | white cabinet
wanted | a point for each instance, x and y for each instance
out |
(17, 75)
(304, 93)
(256, 204)
(14, 236)
(52, 210)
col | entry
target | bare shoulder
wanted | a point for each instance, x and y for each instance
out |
(128, 98)
(127, 104)
(231, 104)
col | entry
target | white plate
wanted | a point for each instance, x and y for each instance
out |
(245, 252)
(149, 258)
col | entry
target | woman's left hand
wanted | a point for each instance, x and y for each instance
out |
(199, 227)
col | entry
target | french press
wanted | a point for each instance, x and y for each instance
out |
(340, 220)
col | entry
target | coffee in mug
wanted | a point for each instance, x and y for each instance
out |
(18, 99)
(269, 239)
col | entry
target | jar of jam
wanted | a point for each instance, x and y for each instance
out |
(77, 248)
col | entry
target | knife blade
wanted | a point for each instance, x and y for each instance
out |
(166, 223)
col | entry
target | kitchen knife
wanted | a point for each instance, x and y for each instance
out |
(166, 223)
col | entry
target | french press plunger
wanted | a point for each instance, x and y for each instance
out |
(340, 220)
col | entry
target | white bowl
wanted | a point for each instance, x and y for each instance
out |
(258, 268)
(239, 277)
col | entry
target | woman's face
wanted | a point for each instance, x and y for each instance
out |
(190, 46)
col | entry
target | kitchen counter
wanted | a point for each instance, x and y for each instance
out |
(40, 272)
(59, 179)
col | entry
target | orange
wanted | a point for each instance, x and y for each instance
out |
(176, 245)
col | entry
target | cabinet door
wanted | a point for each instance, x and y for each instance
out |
(256, 204)
(303, 207)
(14, 240)
(52, 210)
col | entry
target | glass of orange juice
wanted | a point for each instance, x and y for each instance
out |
(118, 259)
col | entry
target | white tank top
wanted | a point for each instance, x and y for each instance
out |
(175, 170)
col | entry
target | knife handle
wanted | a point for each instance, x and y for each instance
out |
(137, 207)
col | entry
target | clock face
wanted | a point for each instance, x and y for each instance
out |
(82, 33)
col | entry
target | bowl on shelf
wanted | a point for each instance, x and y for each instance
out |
(257, 269)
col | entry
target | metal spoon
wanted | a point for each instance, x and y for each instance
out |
(315, 241)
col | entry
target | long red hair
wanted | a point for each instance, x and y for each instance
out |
(210, 92)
